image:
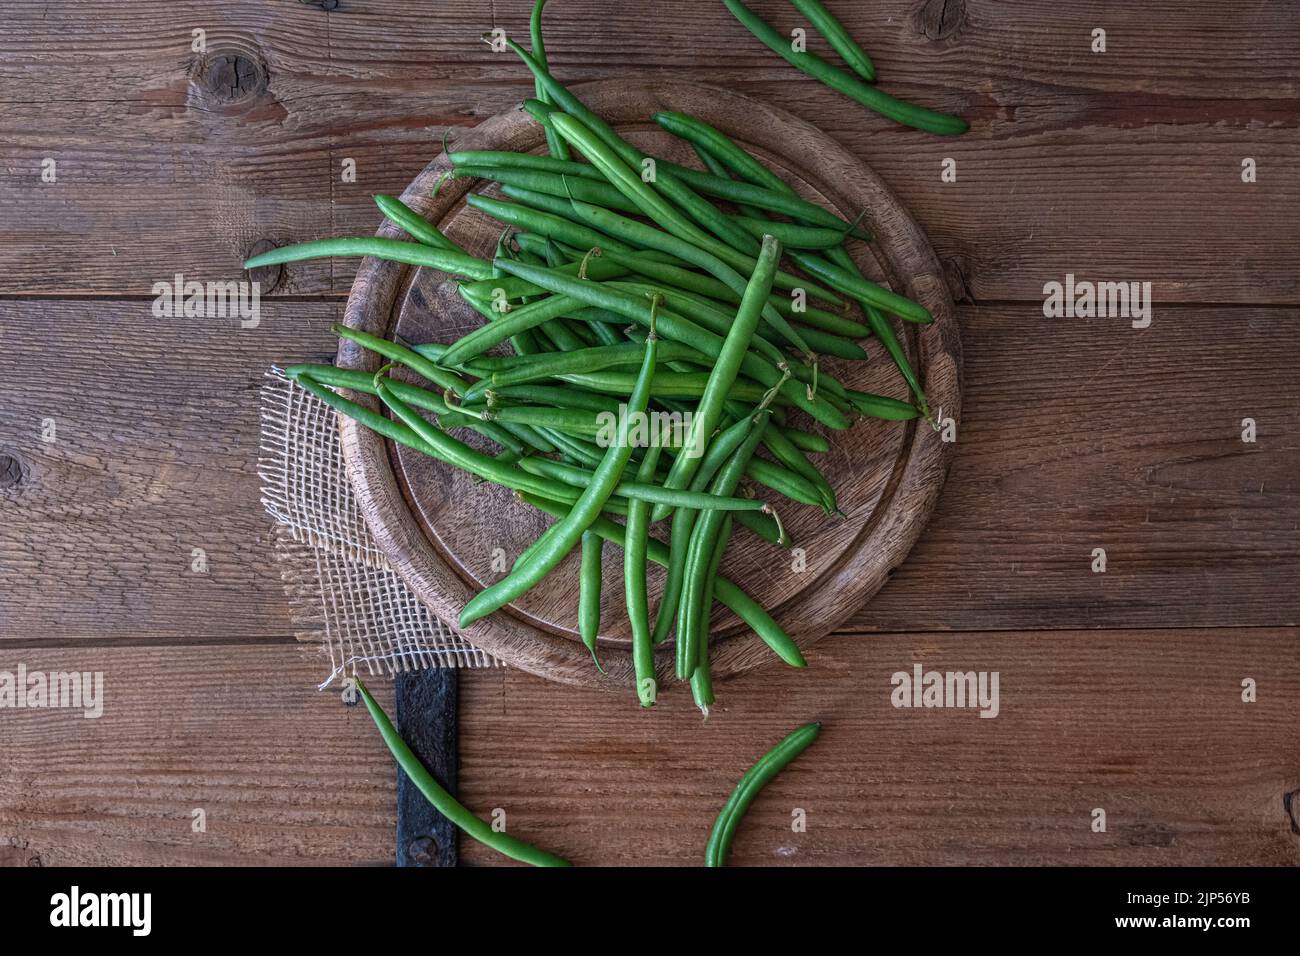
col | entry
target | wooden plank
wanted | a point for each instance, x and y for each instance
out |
(157, 450)
(1142, 456)
(1064, 141)
(1083, 434)
(156, 436)
(1147, 725)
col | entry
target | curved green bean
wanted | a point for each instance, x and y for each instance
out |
(906, 114)
(837, 37)
(754, 780)
(444, 802)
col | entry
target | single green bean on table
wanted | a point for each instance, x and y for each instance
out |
(754, 780)
(869, 96)
(729, 594)
(838, 38)
(444, 802)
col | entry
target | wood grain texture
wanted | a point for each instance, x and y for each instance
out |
(1148, 725)
(1076, 162)
(1141, 455)
(1117, 166)
(886, 475)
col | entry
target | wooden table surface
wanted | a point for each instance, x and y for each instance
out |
(1119, 690)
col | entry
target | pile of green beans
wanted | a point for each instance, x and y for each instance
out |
(628, 291)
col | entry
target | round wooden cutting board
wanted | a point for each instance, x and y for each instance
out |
(450, 535)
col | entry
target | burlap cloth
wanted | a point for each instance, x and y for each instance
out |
(344, 594)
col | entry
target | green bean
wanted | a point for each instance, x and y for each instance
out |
(676, 278)
(698, 209)
(394, 250)
(641, 489)
(873, 99)
(715, 142)
(444, 802)
(542, 221)
(411, 394)
(862, 289)
(415, 225)
(586, 510)
(784, 481)
(666, 385)
(675, 327)
(878, 406)
(793, 234)
(639, 233)
(838, 38)
(570, 446)
(702, 679)
(726, 368)
(531, 368)
(542, 164)
(437, 444)
(807, 441)
(561, 397)
(790, 456)
(827, 343)
(408, 357)
(704, 534)
(773, 200)
(634, 583)
(554, 143)
(764, 526)
(571, 421)
(729, 595)
(601, 193)
(589, 587)
(754, 780)
(478, 341)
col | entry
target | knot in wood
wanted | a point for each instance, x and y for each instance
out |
(941, 19)
(11, 471)
(227, 78)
